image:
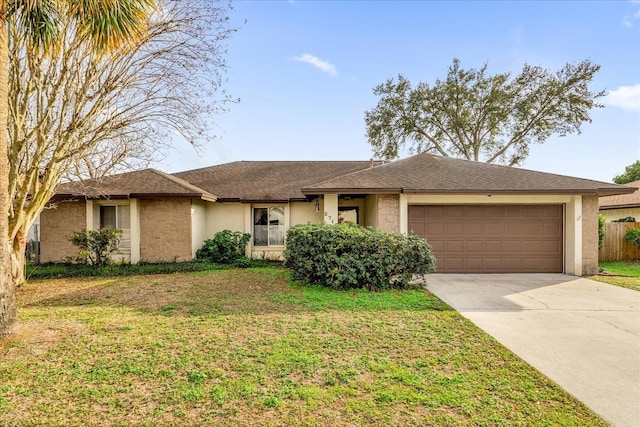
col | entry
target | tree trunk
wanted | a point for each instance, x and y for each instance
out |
(8, 309)
(18, 258)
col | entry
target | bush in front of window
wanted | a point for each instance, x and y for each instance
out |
(347, 256)
(226, 247)
(96, 246)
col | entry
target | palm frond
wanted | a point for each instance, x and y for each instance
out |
(39, 20)
(112, 23)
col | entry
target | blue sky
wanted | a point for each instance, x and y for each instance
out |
(304, 72)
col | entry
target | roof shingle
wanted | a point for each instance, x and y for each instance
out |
(426, 173)
(283, 181)
(622, 200)
(268, 180)
(146, 182)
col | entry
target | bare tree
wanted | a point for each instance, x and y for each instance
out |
(109, 25)
(76, 113)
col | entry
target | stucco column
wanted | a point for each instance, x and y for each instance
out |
(573, 238)
(89, 213)
(248, 228)
(134, 223)
(404, 214)
(331, 208)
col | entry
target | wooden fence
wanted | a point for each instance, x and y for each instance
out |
(614, 247)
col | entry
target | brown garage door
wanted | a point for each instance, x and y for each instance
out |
(492, 238)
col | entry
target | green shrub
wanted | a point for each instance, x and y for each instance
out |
(96, 246)
(54, 270)
(347, 256)
(601, 228)
(633, 236)
(226, 247)
(627, 219)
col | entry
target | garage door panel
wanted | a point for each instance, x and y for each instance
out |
(454, 212)
(475, 212)
(474, 228)
(437, 246)
(418, 212)
(473, 246)
(454, 263)
(493, 246)
(418, 228)
(549, 211)
(494, 212)
(512, 246)
(454, 228)
(532, 229)
(454, 245)
(535, 246)
(512, 211)
(551, 229)
(512, 229)
(435, 211)
(494, 228)
(492, 238)
(492, 264)
(435, 228)
(473, 263)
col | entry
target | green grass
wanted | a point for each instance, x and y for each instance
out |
(244, 347)
(626, 274)
(625, 268)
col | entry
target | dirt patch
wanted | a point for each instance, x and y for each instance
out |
(35, 338)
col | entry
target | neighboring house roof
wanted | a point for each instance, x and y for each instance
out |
(143, 183)
(269, 180)
(425, 173)
(621, 201)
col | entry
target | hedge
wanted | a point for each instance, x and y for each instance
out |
(347, 256)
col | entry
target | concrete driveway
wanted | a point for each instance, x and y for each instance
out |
(583, 334)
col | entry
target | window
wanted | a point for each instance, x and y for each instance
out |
(117, 217)
(268, 226)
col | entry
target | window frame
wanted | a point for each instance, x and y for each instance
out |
(125, 238)
(269, 209)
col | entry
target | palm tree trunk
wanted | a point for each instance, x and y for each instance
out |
(8, 310)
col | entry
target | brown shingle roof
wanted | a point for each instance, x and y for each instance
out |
(250, 181)
(268, 180)
(622, 200)
(146, 182)
(425, 173)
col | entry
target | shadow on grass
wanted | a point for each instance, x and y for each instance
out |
(229, 292)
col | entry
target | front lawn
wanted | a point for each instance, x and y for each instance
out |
(625, 274)
(243, 347)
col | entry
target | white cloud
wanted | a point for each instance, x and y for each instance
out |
(625, 97)
(320, 64)
(629, 19)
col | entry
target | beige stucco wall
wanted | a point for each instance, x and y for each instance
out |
(165, 230)
(224, 216)
(389, 213)
(305, 212)
(198, 224)
(614, 214)
(56, 225)
(371, 210)
(589, 235)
